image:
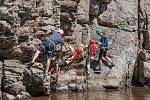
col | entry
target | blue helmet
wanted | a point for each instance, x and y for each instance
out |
(98, 30)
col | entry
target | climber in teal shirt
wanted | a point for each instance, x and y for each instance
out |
(103, 47)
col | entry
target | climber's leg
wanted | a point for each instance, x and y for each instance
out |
(100, 59)
(35, 55)
(47, 66)
(107, 58)
(38, 51)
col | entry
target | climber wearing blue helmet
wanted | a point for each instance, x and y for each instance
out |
(103, 42)
(99, 31)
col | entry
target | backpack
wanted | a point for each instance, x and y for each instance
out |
(104, 40)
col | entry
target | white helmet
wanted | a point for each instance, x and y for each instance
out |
(61, 31)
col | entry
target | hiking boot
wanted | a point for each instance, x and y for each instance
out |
(112, 64)
(96, 68)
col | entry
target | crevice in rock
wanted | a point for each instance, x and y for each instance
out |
(146, 33)
(138, 74)
(143, 34)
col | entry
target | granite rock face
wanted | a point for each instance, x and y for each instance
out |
(23, 24)
(112, 17)
(34, 80)
(142, 67)
(12, 80)
(70, 81)
(19, 23)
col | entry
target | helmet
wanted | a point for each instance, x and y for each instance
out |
(98, 30)
(79, 50)
(61, 31)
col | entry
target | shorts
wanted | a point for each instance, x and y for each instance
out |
(63, 64)
(47, 49)
(102, 53)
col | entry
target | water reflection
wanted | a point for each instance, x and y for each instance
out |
(128, 94)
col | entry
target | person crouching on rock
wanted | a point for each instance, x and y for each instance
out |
(68, 60)
(47, 47)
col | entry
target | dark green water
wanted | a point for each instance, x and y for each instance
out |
(136, 93)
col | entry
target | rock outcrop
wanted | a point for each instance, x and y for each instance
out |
(12, 80)
(70, 81)
(33, 79)
(20, 23)
(141, 73)
(23, 24)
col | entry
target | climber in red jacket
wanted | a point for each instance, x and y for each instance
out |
(92, 48)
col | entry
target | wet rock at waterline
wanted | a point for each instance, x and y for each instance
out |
(34, 80)
(12, 80)
(70, 81)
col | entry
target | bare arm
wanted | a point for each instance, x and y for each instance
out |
(71, 48)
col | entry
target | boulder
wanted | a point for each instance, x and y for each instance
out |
(83, 11)
(23, 96)
(62, 89)
(5, 28)
(80, 88)
(13, 88)
(13, 74)
(68, 5)
(72, 87)
(70, 81)
(34, 80)
(66, 78)
(7, 96)
(123, 56)
(111, 83)
(22, 52)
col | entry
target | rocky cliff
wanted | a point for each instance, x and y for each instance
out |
(24, 22)
(141, 73)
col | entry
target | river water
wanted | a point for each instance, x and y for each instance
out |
(136, 93)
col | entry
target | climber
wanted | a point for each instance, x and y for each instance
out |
(47, 47)
(92, 48)
(65, 61)
(103, 47)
